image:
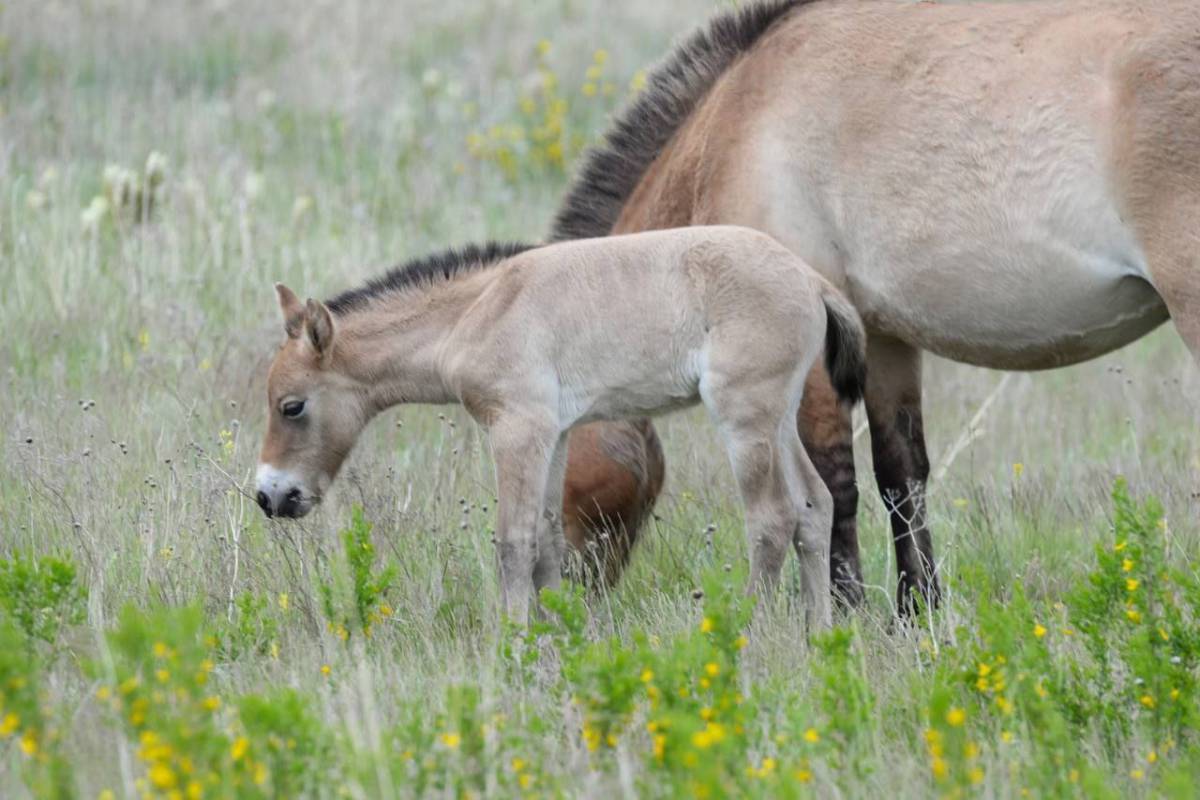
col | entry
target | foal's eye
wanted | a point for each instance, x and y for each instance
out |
(293, 408)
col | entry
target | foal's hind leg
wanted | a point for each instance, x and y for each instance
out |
(752, 417)
(811, 540)
(828, 437)
(893, 400)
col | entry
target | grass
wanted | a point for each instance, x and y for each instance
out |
(317, 144)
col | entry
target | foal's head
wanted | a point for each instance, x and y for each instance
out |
(314, 412)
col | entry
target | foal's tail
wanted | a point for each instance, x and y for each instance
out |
(845, 346)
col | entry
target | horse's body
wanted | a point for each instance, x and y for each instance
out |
(1014, 185)
(720, 315)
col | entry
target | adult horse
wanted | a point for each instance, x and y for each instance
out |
(1012, 185)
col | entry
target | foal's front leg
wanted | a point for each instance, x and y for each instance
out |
(523, 450)
(547, 571)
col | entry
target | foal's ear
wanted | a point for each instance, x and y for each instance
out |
(293, 310)
(318, 323)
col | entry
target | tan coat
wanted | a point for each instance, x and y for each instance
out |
(538, 343)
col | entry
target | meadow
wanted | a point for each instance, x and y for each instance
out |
(163, 163)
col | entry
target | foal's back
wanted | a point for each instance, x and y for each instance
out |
(627, 322)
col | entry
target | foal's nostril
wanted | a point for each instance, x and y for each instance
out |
(264, 502)
(293, 496)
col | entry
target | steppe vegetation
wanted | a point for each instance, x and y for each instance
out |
(164, 163)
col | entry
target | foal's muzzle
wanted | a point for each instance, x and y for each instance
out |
(291, 505)
(281, 494)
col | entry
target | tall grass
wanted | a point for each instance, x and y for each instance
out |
(317, 143)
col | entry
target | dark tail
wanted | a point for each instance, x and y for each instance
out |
(845, 346)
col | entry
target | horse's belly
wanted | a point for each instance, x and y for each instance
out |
(1013, 309)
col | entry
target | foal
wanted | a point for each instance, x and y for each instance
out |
(536, 341)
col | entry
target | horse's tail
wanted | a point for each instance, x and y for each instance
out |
(845, 346)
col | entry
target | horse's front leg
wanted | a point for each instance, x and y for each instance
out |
(893, 400)
(523, 449)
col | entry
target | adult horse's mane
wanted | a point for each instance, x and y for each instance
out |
(675, 87)
(433, 268)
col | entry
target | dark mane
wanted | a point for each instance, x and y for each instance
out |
(613, 169)
(429, 269)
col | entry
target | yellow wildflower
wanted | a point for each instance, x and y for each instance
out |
(1039, 630)
(283, 601)
(802, 775)
(811, 736)
(451, 740)
(1131, 584)
(525, 780)
(162, 776)
(713, 669)
(940, 770)
(647, 675)
(660, 746)
(1137, 774)
(975, 776)
(1018, 469)
(240, 746)
(740, 642)
(161, 650)
(211, 703)
(1133, 614)
(326, 669)
(713, 733)
(1152, 757)
(956, 717)
(706, 625)
(9, 724)
(1147, 701)
(1119, 546)
(1127, 565)
(29, 743)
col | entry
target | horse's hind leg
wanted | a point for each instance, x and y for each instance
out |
(893, 400)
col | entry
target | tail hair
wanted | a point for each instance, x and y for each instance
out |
(845, 346)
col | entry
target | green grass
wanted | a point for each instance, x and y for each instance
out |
(319, 145)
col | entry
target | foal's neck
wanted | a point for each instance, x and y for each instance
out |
(393, 346)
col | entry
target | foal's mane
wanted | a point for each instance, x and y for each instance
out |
(674, 89)
(427, 270)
